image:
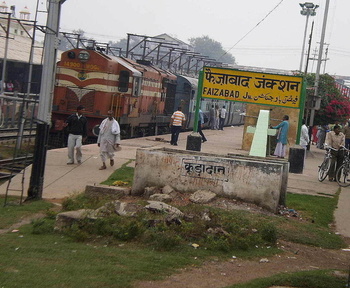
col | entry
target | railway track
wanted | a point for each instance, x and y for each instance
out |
(11, 134)
(11, 167)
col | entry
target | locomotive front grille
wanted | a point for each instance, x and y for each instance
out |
(80, 96)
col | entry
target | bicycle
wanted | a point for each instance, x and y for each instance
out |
(342, 175)
(323, 169)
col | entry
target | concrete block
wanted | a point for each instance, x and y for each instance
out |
(67, 219)
(100, 190)
(243, 178)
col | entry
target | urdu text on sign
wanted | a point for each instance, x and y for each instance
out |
(252, 87)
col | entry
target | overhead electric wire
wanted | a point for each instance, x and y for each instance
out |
(252, 29)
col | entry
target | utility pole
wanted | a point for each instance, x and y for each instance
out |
(45, 99)
(317, 99)
(325, 59)
(4, 64)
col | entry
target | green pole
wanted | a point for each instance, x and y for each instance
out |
(198, 101)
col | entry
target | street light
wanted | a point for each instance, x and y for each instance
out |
(307, 9)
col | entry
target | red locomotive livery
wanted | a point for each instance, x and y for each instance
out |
(136, 92)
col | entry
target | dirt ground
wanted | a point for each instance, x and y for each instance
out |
(215, 274)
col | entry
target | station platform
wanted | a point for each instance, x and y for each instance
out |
(62, 180)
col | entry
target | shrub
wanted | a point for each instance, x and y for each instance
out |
(269, 233)
(43, 226)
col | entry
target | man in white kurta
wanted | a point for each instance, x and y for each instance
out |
(108, 139)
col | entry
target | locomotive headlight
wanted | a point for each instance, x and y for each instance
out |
(83, 56)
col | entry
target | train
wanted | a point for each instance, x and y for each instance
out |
(142, 96)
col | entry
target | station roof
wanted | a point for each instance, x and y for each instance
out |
(19, 49)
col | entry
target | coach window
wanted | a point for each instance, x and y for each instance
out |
(137, 86)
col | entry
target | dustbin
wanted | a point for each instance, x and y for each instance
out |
(194, 142)
(296, 159)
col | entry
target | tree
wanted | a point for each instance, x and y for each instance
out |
(209, 47)
(122, 43)
(334, 105)
(70, 41)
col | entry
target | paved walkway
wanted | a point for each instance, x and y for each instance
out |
(63, 180)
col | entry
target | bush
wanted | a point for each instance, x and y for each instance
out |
(43, 226)
(269, 233)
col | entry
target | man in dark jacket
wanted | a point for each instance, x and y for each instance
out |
(77, 128)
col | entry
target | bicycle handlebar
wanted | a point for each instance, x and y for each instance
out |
(331, 148)
(343, 147)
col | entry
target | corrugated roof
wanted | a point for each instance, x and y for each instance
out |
(135, 72)
(19, 49)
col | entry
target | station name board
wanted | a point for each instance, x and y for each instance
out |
(252, 87)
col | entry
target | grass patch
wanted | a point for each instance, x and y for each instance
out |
(82, 201)
(305, 279)
(11, 214)
(319, 215)
(124, 173)
(118, 251)
(51, 260)
(318, 210)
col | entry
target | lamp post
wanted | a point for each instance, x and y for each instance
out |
(307, 9)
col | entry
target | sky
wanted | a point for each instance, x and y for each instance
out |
(258, 33)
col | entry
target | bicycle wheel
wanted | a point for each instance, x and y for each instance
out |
(343, 175)
(323, 169)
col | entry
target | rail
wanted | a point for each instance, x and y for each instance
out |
(12, 166)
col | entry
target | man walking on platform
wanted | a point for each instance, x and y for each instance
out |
(176, 122)
(108, 139)
(76, 125)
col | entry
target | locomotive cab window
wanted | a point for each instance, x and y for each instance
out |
(124, 81)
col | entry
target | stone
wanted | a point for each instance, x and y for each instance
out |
(150, 191)
(202, 196)
(67, 219)
(161, 197)
(157, 206)
(168, 190)
(119, 208)
(100, 190)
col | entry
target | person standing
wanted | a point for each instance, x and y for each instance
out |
(222, 118)
(76, 125)
(200, 125)
(321, 135)
(9, 86)
(108, 139)
(217, 117)
(347, 135)
(304, 135)
(212, 117)
(176, 122)
(335, 139)
(282, 137)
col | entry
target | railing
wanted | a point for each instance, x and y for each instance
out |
(17, 110)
